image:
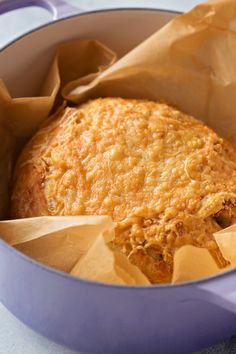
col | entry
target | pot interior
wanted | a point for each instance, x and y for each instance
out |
(23, 63)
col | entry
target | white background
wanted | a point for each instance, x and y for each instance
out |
(15, 338)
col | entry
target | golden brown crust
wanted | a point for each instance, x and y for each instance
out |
(165, 178)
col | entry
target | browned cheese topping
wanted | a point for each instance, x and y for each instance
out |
(165, 178)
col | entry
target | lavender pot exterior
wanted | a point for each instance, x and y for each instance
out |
(98, 318)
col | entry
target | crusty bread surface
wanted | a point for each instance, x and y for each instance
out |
(166, 179)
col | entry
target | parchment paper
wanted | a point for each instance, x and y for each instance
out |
(189, 63)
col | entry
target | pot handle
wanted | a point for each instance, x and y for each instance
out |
(58, 8)
(220, 291)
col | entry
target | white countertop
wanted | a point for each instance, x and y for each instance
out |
(15, 338)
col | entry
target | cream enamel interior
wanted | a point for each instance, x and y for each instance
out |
(121, 30)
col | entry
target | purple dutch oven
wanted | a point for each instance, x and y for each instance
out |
(84, 315)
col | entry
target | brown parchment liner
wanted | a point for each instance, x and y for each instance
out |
(191, 64)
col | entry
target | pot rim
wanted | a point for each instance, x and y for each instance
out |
(87, 281)
(84, 13)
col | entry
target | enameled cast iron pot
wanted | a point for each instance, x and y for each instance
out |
(87, 316)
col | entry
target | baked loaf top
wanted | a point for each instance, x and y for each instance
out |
(165, 178)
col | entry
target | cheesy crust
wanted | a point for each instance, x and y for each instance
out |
(166, 179)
